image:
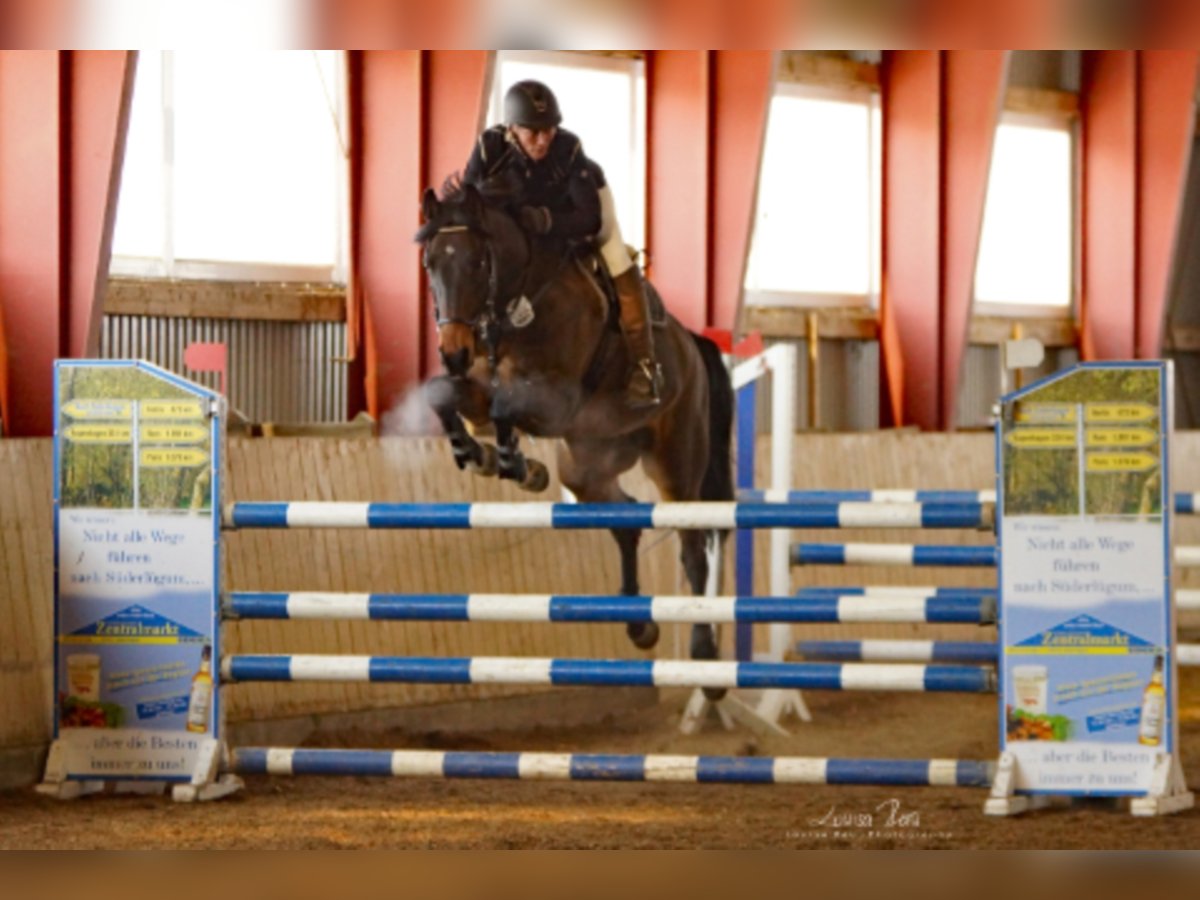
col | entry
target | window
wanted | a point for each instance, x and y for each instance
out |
(816, 232)
(1025, 252)
(603, 100)
(234, 167)
(187, 23)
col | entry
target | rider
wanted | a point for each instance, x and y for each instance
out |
(560, 191)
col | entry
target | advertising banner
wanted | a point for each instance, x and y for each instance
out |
(137, 466)
(1086, 631)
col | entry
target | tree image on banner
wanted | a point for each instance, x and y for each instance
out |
(1118, 440)
(101, 451)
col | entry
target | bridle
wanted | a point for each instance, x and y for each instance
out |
(489, 308)
(485, 324)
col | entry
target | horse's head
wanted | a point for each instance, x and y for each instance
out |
(468, 250)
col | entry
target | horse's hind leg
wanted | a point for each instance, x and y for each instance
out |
(677, 464)
(590, 472)
(643, 634)
(694, 555)
(451, 399)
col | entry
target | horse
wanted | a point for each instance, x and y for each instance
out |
(529, 342)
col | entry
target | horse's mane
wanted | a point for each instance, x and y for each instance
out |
(453, 208)
(454, 188)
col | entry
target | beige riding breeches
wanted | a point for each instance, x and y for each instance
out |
(612, 246)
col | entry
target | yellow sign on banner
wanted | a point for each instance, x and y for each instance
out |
(1120, 437)
(98, 409)
(1046, 413)
(173, 434)
(1042, 438)
(172, 409)
(1121, 462)
(1119, 412)
(173, 457)
(99, 434)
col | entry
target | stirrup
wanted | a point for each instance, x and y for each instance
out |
(642, 391)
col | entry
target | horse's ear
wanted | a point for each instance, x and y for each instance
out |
(429, 204)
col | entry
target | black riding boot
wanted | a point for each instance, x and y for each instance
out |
(645, 380)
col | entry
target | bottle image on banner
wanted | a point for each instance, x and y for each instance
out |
(200, 700)
(83, 676)
(1154, 707)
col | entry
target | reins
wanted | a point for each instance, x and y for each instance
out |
(488, 325)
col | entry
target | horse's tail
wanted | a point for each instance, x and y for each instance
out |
(718, 476)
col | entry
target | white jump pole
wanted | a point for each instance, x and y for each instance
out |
(782, 360)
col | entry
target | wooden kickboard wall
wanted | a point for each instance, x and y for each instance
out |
(495, 561)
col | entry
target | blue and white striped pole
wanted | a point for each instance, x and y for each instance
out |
(917, 555)
(608, 673)
(1185, 599)
(976, 652)
(1186, 504)
(607, 515)
(804, 497)
(909, 555)
(612, 767)
(825, 608)
(876, 591)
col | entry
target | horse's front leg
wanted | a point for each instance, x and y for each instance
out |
(451, 399)
(529, 474)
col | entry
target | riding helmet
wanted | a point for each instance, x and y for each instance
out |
(532, 105)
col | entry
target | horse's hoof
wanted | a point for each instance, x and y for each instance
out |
(537, 476)
(643, 634)
(488, 462)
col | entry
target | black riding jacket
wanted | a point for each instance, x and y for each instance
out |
(565, 182)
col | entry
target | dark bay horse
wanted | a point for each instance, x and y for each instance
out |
(529, 343)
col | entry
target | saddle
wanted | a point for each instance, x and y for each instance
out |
(592, 265)
(585, 256)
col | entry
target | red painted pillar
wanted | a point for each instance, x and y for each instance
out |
(707, 123)
(1166, 126)
(62, 121)
(910, 307)
(385, 172)
(684, 23)
(99, 92)
(1169, 20)
(30, 223)
(678, 85)
(743, 83)
(974, 83)
(1138, 123)
(1108, 107)
(940, 110)
(455, 83)
(414, 116)
(370, 23)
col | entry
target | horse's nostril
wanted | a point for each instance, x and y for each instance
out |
(457, 362)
